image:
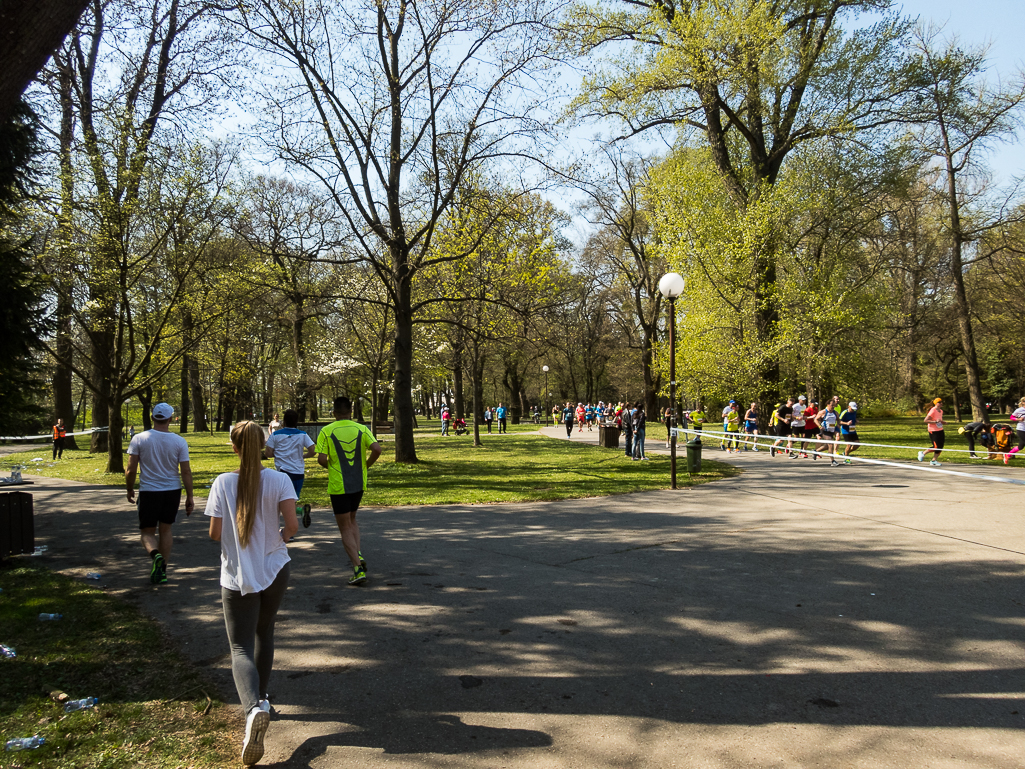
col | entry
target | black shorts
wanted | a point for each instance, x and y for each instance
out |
(811, 432)
(345, 504)
(782, 430)
(938, 439)
(158, 507)
(851, 437)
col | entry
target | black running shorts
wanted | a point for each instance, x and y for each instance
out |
(345, 504)
(938, 439)
(158, 507)
(782, 430)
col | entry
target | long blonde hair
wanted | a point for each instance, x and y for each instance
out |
(248, 438)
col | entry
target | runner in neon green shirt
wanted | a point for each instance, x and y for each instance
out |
(341, 448)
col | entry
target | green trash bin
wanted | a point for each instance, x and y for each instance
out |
(694, 456)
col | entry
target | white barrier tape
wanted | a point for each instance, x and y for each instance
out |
(742, 436)
(49, 437)
(865, 460)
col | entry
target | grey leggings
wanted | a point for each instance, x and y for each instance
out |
(250, 623)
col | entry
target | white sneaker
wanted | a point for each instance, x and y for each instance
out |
(264, 706)
(921, 456)
(934, 463)
(256, 727)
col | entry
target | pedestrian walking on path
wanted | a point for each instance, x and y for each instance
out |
(59, 433)
(934, 423)
(163, 459)
(1018, 416)
(567, 419)
(342, 449)
(640, 427)
(290, 447)
(243, 508)
(849, 430)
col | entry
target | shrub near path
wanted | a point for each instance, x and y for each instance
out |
(154, 709)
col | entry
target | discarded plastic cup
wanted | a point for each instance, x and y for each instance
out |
(88, 702)
(93, 575)
(40, 549)
(8, 652)
(25, 743)
(44, 617)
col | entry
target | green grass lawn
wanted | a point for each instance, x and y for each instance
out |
(152, 701)
(519, 467)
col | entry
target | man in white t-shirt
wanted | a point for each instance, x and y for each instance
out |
(797, 422)
(290, 446)
(161, 455)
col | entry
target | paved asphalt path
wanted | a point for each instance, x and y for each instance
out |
(796, 616)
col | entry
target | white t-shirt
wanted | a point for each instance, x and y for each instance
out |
(159, 455)
(288, 445)
(798, 418)
(254, 568)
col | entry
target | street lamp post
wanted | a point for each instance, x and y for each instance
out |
(671, 286)
(544, 401)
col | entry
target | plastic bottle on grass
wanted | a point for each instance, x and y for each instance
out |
(7, 651)
(88, 702)
(43, 617)
(25, 743)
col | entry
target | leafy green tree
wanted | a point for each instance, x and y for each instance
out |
(959, 115)
(418, 97)
(23, 312)
(750, 83)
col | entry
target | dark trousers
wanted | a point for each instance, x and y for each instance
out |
(501, 425)
(249, 620)
(569, 429)
(629, 434)
(58, 448)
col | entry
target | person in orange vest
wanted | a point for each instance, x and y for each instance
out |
(58, 439)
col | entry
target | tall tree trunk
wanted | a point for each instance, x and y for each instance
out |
(146, 399)
(184, 423)
(457, 377)
(374, 385)
(477, 385)
(405, 447)
(302, 386)
(961, 306)
(648, 371)
(63, 397)
(115, 457)
(198, 402)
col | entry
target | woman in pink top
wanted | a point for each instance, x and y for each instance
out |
(934, 421)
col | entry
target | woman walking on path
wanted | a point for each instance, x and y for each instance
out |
(751, 425)
(639, 424)
(1018, 417)
(934, 421)
(243, 508)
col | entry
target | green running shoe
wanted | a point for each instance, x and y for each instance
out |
(157, 573)
(359, 576)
